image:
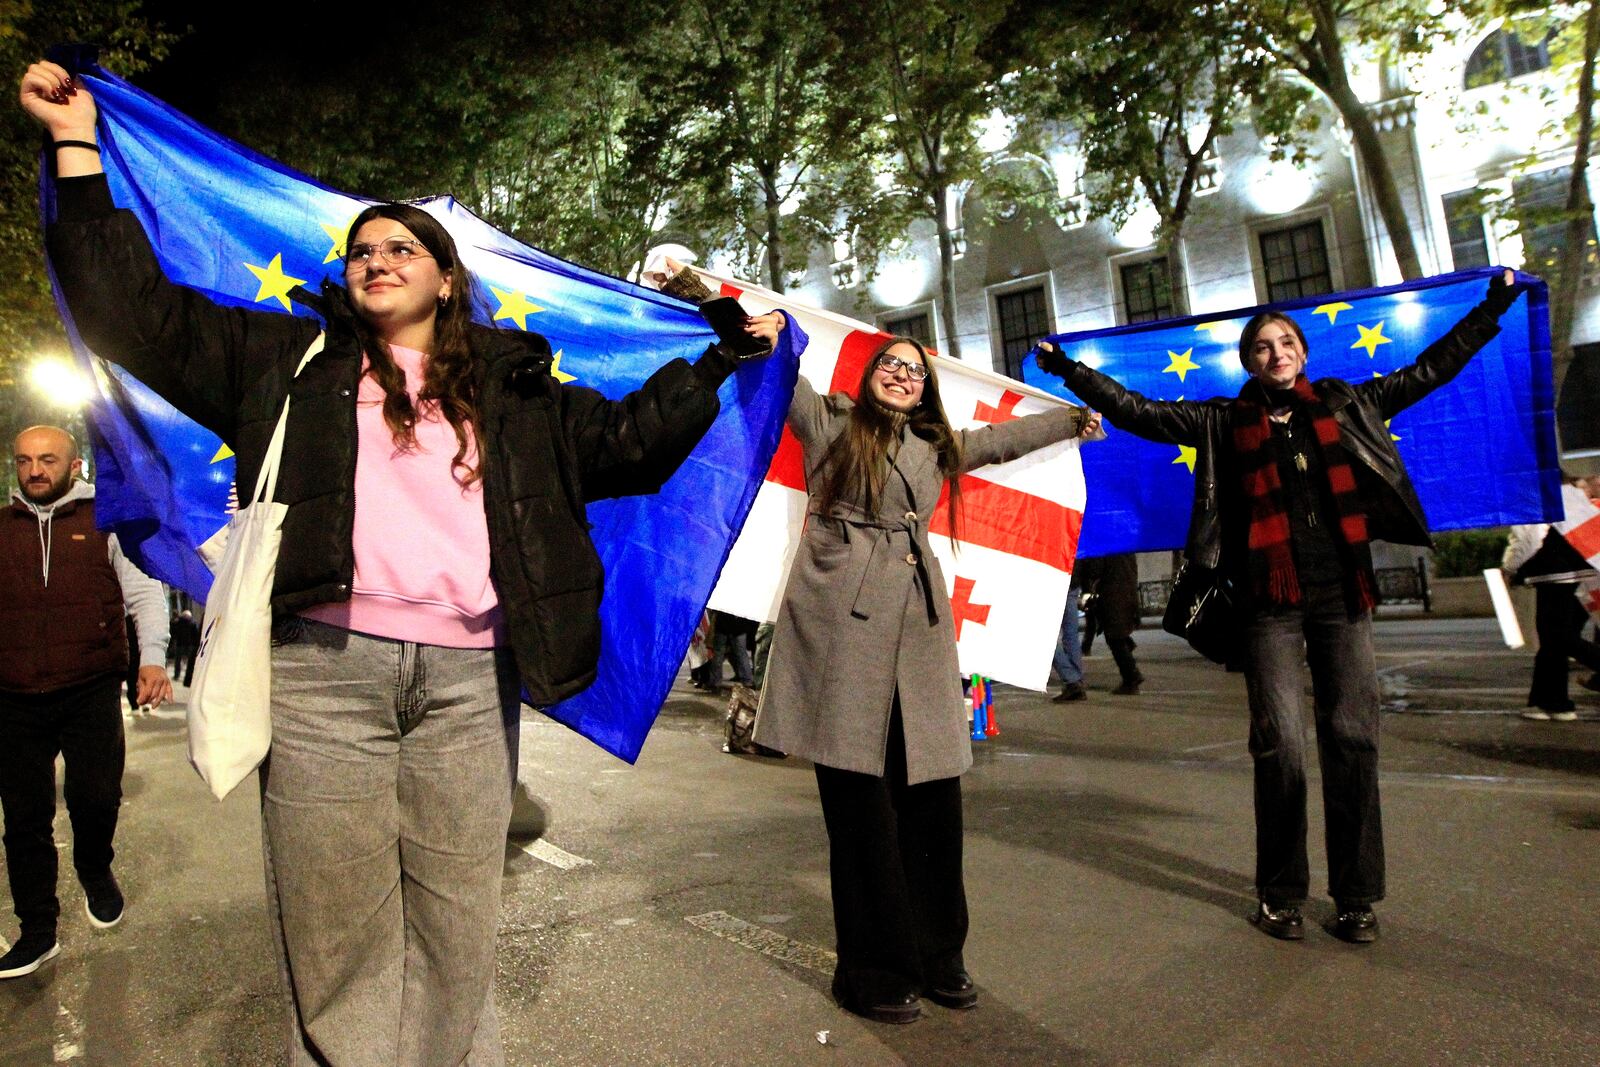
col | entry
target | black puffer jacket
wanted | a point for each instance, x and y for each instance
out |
(546, 448)
(1219, 520)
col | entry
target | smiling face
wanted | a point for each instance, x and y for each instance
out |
(896, 389)
(396, 300)
(1277, 354)
(46, 461)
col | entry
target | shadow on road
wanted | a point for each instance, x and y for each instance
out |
(1544, 757)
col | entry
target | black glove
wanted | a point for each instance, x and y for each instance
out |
(728, 319)
(1052, 360)
(1501, 296)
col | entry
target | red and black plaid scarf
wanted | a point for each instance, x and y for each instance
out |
(1277, 581)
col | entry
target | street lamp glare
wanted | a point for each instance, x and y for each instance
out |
(61, 383)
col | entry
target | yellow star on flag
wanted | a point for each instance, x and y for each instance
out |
(1371, 338)
(222, 453)
(1181, 364)
(1186, 456)
(515, 306)
(337, 234)
(556, 371)
(274, 283)
(1330, 310)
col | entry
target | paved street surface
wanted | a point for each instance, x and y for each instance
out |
(677, 912)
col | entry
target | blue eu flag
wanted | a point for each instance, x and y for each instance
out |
(1481, 450)
(245, 231)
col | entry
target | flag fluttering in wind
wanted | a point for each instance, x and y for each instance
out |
(1019, 528)
(245, 231)
(1481, 450)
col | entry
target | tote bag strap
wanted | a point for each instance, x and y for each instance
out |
(267, 480)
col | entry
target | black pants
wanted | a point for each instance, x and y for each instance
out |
(1344, 683)
(83, 724)
(1558, 617)
(894, 857)
(183, 665)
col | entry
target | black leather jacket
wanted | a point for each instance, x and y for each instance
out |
(546, 448)
(1219, 521)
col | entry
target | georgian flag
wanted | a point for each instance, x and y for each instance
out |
(1020, 521)
(1581, 528)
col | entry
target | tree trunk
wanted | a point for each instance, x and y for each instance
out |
(1325, 68)
(774, 244)
(1580, 211)
(947, 271)
(1175, 270)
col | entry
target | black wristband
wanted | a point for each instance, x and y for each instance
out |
(75, 144)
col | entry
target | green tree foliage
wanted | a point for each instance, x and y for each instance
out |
(940, 68)
(1149, 91)
(1321, 39)
(781, 151)
(129, 42)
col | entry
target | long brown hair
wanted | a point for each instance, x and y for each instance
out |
(448, 378)
(856, 465)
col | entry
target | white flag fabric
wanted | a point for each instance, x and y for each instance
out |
(1581, 528)
(1020, 521)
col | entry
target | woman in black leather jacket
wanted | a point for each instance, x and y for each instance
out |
(1293, 479)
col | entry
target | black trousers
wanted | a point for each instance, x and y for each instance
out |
(83, 724)
(894, 858)
(1344, 683)
(1558, 618)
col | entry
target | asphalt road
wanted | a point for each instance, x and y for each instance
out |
(677, 912)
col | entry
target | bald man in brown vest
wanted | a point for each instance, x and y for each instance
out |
(64, 589)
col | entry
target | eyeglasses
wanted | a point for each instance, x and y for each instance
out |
(916, 371)
(395, 251)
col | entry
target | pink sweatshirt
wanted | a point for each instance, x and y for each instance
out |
(421, 540)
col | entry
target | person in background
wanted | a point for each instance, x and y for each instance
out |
(65, 590)
(1538, 555)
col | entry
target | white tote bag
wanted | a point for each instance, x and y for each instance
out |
(230, 701)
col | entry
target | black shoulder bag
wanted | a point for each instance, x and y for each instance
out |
(1201, 610)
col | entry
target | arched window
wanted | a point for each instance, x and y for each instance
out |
(1503, 55)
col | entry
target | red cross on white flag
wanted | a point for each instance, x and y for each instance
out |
(1020, 520)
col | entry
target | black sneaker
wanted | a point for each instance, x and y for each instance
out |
(102, 900)
(1069, 692)
(29, 954)
(1281, 921)
(1355, 924)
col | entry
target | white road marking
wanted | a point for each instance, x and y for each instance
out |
(555, 856)
(767, 942)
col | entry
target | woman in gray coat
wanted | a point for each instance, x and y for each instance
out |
(863, 679)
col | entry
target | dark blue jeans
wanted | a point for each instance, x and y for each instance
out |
(1344, 682)
(82, 724)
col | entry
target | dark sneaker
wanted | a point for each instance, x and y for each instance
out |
(1281, 921)
(102, 900)
(1069, 693)
(1126, 689)
(1356, 925)
(29, 954)
(953, 990)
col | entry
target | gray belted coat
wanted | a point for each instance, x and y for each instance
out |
(867, 611)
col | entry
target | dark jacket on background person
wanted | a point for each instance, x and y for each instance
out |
(545, 448)
(1219, 520)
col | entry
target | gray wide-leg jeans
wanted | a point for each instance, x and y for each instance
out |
(385, 803)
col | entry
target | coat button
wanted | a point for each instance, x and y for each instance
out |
(341, 589)
(344, 392)
(911, 516)
(911, 558)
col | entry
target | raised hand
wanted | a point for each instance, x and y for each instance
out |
(57, 102)
(1051, 360)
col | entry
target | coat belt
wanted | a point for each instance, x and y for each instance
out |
(915, 528)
